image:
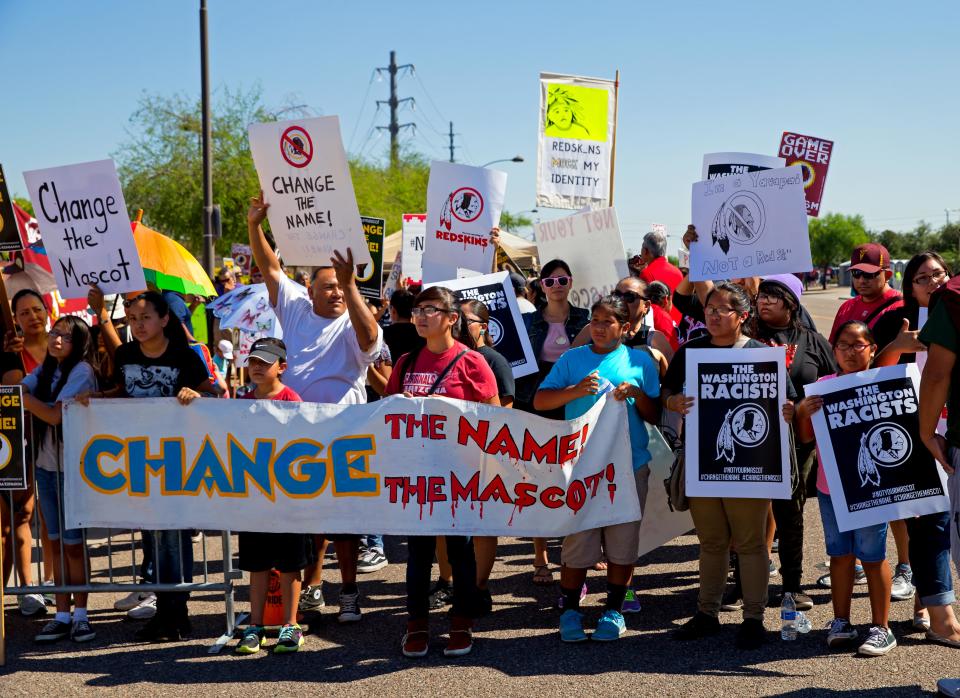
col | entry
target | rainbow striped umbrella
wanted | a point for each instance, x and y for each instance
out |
(168, 265)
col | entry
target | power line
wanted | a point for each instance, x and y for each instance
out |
(363, 104)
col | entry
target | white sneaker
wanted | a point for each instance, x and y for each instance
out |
(32, 604)
(131, 600)
(145, 609)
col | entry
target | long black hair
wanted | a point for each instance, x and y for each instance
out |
(910, 271)
(478, 308)
(81, 349)
(173, 330)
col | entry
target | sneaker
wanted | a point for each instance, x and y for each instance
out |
(311, 598)
(53, 631)
(441, 595)
(349, 608)
(484, 602)
(859, 578)
(840, 632)
(583, 595)
(290, 640)
(773, 569)
(631, 604)
(131, 600)
(751, 635)
(371, 560)
(416, 641)
(879, 641)
(611, 626)
(701, 625)
(731, 602)
(48, 597)
(902, 588)
(253, 639)
(81, 631)
(571, 627)
(460, 641)
(804, 602)
(32, 605)
(158, 629)
(146, 609)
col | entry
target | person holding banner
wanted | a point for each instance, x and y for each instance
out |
(553, 328)
(575, 383)
(66, 372)
(722, 521)
(854, 348)
(332, 339)
(447, 368)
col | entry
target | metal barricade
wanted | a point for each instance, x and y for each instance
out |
(122, 573)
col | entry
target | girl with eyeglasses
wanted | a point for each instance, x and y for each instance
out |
(66, 372)
(854, 349)
(448, 368)
(923, 542)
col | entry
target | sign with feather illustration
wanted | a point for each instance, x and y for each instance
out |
(737, 444)
(868, 436)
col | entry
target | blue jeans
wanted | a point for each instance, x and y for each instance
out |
(930, 558)
(171, 558)
(372, 541)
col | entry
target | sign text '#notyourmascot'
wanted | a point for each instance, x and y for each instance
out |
(343, 466)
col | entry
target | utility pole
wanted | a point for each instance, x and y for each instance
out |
(208, 253)
(452, 134)
(394, 128)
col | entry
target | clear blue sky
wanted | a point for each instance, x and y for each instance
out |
(878, 78)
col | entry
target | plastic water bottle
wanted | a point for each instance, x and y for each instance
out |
(788, 618)
(803, 623)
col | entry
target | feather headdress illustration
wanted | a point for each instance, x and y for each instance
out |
(865, 465)
(725, 443)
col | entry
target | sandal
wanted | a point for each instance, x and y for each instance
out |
(542, 575)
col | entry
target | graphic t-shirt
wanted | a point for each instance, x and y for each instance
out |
(469, 379)
(287, 394)
(622, 365)
(139, 375)
(857, 309)
(324, 360)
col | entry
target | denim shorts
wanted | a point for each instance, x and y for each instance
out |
(869, 543)
(50, 507)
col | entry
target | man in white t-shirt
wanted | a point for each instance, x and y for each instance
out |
(332, 338)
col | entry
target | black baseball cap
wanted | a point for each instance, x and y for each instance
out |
(268, 350)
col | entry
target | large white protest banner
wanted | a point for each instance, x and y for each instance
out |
(575, 145)
(726, 164)
(463, 205)
(590, 243)
(737, 444)
(750, 225)
(305, 178)
(414, 232)
(868, 433)
(506, 328)
(424, 466)
(85, 227)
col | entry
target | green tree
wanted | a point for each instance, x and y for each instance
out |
(387, 192)
(514, 222)
(833, 237)
(23, 203)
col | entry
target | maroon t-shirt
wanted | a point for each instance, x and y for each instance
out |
(470, 378)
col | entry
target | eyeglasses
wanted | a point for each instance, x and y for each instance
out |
(66, 337)
(549, 281)
(858, 348)
(718, 310)
(427, 311)
(768, 298)
(476, 321)
(935, 277)
(628, 296)
(130, 301)
(858, 274)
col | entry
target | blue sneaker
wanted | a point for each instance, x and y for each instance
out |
(610, 626)
(571, 627)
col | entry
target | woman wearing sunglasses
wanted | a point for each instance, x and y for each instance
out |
(553, 327)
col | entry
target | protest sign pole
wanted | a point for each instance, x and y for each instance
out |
(3, 626)
(613, 144)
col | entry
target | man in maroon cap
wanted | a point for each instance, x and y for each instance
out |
(870, 269)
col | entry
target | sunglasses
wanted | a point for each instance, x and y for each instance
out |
(628, 296)
(858, 274)
(549, 281)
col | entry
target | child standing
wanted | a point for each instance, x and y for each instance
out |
(288, 553)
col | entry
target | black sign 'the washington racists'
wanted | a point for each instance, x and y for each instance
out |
(868, 433)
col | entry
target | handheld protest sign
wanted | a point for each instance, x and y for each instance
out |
(85, 227)
(242, 257)
(463, 206)
(737, 444)
(414, 232)
(370, 280)
(813, 155)
(13, 467)
(9, 231)
(717, 165)
(590, 242)
(506, 328)
(750, 225)
(576, 141)
(305, 178)
(868, 434)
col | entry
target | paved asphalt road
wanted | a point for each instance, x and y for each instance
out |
(517, 648)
